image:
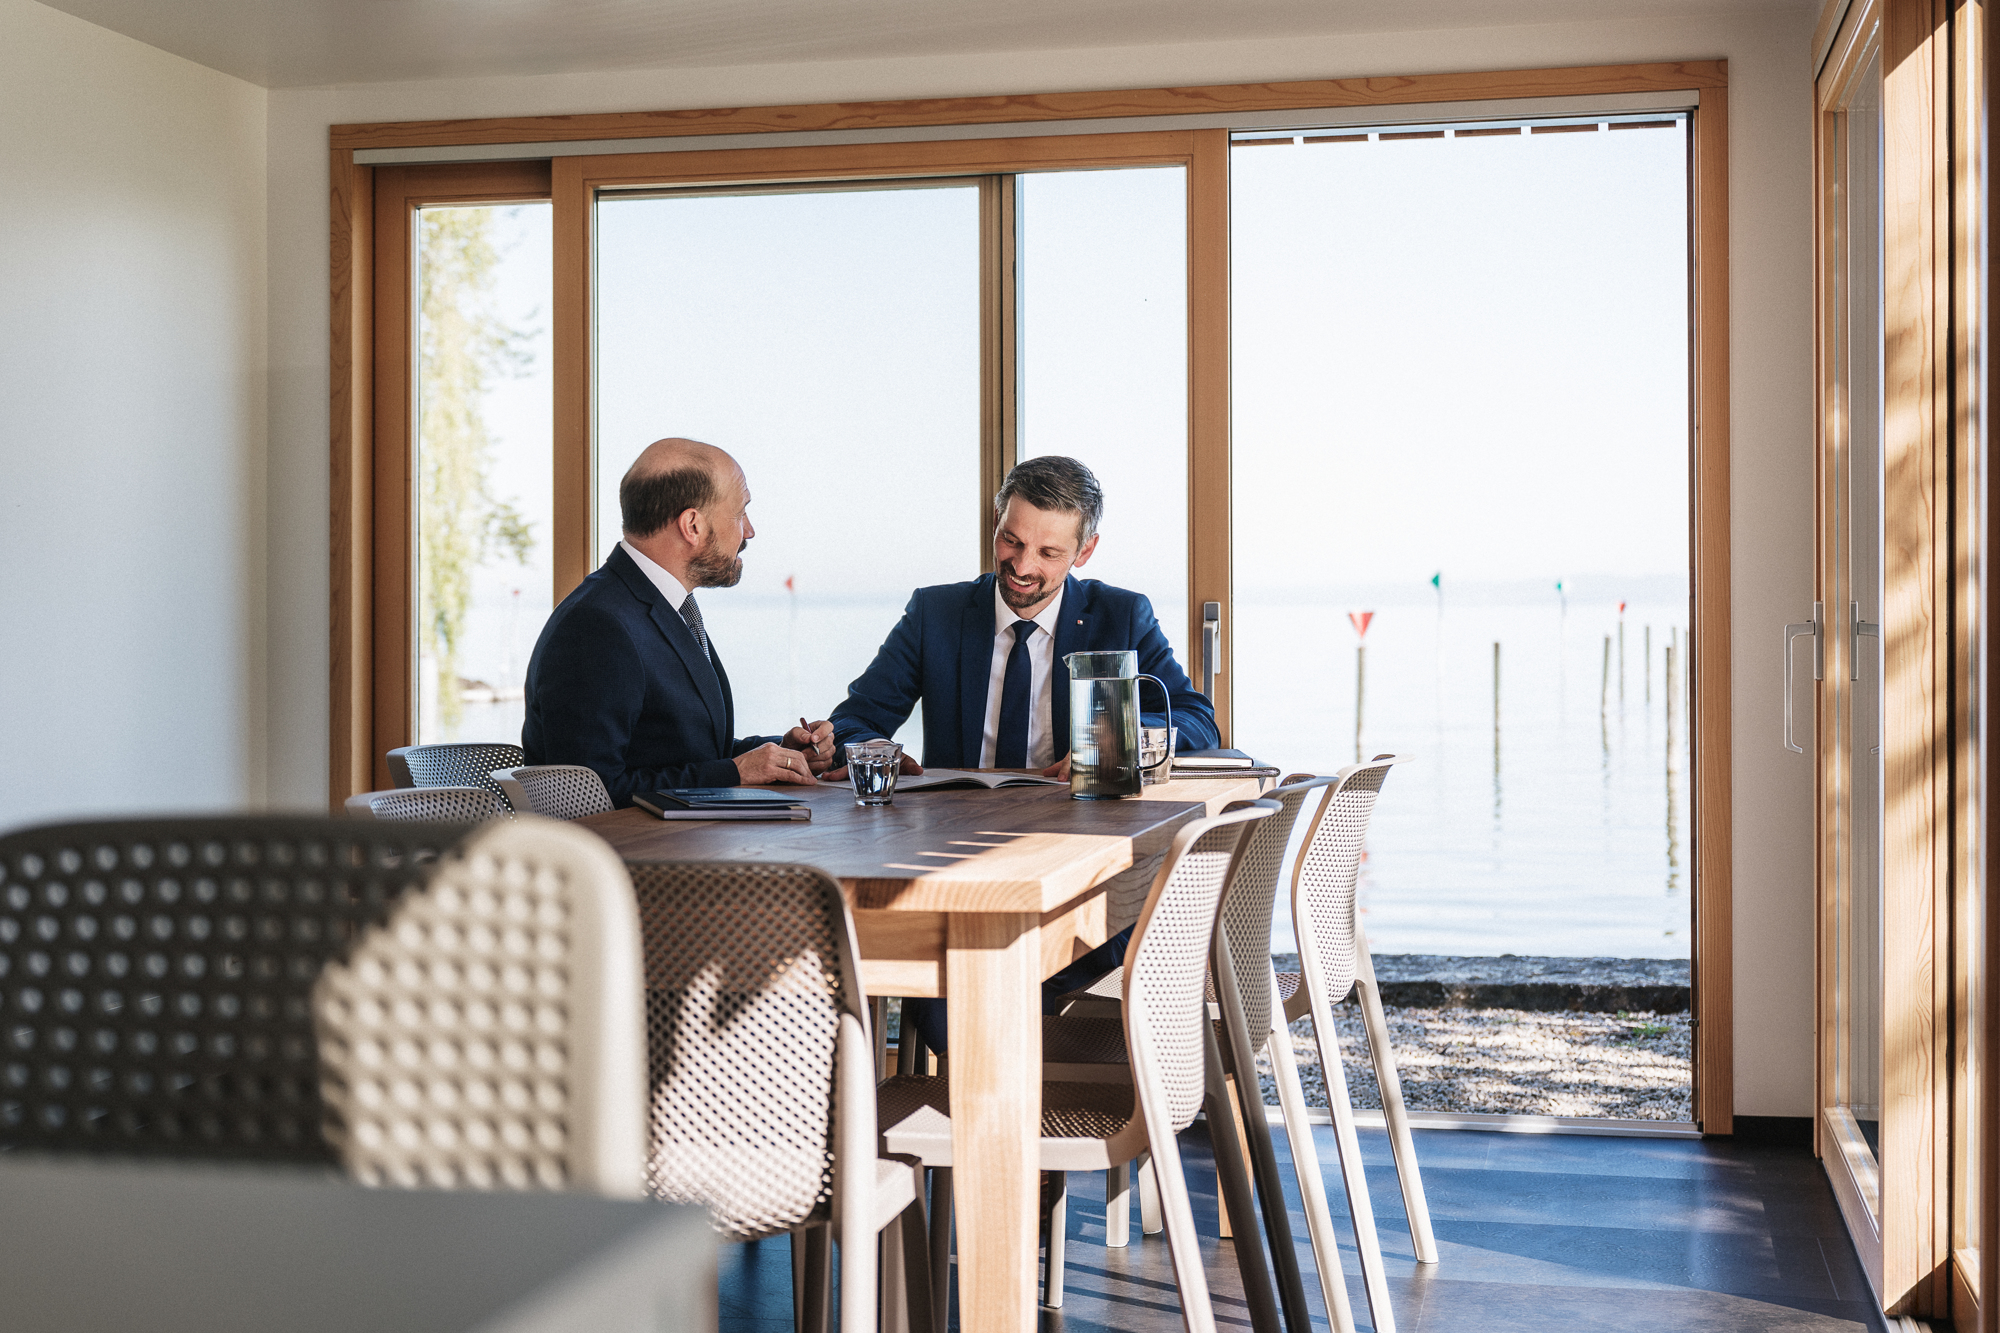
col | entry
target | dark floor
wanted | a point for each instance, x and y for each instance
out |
(1535, 1232)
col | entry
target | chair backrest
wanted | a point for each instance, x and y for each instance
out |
(559, 791)
(1329, 867)
(491, 1032)
(437, 804)
(1243, 940)
(155, 976)
(1166, 964)
(459, 764)
(750, 980)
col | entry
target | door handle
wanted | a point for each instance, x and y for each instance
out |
(1211, 647)
(1796, 631)
(1856, 628)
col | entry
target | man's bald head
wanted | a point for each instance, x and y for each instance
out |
(668, 478)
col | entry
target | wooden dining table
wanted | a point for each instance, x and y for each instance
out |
(976, 895)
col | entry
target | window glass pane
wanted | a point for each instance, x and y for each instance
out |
(1103, 372)
(484, 472)
(1462, 356)
(829, 340)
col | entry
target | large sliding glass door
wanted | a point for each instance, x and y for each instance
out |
(1847, 651)
(829, 339)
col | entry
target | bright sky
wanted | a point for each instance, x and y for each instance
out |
(1460, 354)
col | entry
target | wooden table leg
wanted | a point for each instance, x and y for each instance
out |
(993, 980)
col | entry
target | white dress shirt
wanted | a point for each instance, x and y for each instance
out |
(669, 586)
(1041, 668)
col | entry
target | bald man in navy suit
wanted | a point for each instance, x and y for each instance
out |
(624, 679)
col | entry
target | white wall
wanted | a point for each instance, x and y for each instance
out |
(133, 444)
(1771, 327)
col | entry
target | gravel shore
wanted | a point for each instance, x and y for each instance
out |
(1514, 1061)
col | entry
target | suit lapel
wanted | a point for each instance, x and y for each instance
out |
(1072, 636)
(975, 667)
(679, 637)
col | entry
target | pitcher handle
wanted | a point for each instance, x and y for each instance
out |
(1144, 767)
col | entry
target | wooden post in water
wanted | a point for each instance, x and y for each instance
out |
(1621, 657)
(1496, 731)
(1360, 693)
(1669, 684)
(1604, 687)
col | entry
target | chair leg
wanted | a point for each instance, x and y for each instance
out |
(1373, 1277)
(940, 1243)
(1270, 1190)
(1056, 1222)
(879, 1016)
(1415, 1206)
(1118, 1206)
(1312, 1185)
(906, 1279)
(1149, 1195)
(1232, 1180)
(1177, 1219)
(812, 1278)
(910, 1054)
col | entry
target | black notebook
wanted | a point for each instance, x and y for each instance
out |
(720, 803)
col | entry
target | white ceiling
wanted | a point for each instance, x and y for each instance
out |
(304, 43)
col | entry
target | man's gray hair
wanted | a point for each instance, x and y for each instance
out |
(1056, 483)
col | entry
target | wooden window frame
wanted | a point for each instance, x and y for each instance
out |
(363, 725)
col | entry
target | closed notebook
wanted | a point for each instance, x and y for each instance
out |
(1213, 759)
(664, 805)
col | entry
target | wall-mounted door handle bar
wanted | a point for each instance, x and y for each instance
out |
(1856, 628)
(1796, 631)
(1211, 647)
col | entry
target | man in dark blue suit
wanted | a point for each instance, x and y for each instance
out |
(985, 660)
(624, 679)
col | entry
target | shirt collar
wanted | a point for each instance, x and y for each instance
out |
(669, 586)
(1004, 615)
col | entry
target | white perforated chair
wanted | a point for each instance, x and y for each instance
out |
(452, 764)
(431, 804)
(491, 1033)
(762, 1102)
(1334, 960)
(1082, 1042)
(1095, 1126)
(559, 791)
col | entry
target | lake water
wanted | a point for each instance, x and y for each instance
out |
(1570, 837)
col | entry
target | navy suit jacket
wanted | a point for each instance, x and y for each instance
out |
(941, 655)
(619, 684)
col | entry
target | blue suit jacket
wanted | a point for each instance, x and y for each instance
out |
(618, 684)
(941, 655)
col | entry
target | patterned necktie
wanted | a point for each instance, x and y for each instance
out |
(1010, 743)
(692, 615)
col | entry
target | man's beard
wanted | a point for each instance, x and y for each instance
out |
(714, 568)
(1020, 601)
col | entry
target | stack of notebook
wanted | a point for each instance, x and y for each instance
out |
(721, 803)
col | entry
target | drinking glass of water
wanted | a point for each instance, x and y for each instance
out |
(872, 767)
(1156, 753)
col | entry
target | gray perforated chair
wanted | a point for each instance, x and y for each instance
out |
(491, 1033)
(156, 976)
(559, 791)
(451, 804)
(763, 1082)
(456, 764)
(1095, 1126)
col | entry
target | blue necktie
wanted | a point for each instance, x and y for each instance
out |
(1010, 746)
